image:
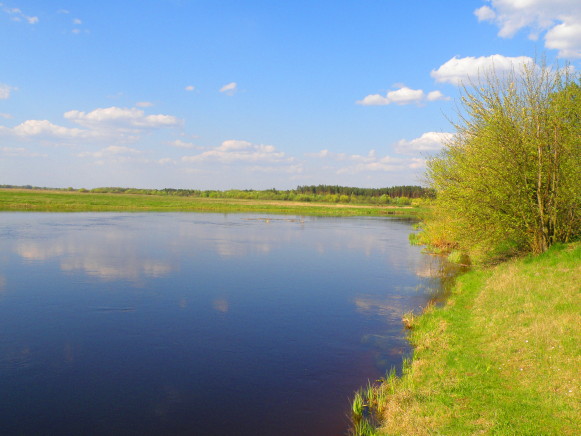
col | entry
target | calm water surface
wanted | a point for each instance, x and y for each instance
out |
(199, 324)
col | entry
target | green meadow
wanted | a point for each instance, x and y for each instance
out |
(64, 201)
(502, 356)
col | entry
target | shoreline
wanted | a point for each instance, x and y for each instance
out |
(501, 356)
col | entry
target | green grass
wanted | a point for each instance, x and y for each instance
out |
(502, 357)
(62, 201)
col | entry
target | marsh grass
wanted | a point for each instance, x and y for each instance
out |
(63, 201)
(408, 320)
(414, 239)
(364, 410)
(501, 357)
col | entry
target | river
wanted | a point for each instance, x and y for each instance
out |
(199, 324)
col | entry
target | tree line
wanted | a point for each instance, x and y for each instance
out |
(396, 195)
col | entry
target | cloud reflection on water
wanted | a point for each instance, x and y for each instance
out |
(114, 252)
(221, 305)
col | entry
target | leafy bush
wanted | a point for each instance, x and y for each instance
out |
(511, 175)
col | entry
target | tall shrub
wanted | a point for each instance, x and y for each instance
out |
(511, 175)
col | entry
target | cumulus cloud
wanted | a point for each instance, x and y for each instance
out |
(342, 163)
(463, 70)
(190, 88)
(233, 151)
(485, 13)
(560, 19)
(45, 129)
(427, 142)
(116, 117)
(144, 104)
(565, 37)
(435, 96)
(114, 125)
(386, 164)
(402, 96)
(17, 15)
(229, 89)
(5, 91)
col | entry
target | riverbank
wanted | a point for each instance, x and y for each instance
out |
(63, 201)
(502, 356)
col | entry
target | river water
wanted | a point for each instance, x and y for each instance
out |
(199, 324)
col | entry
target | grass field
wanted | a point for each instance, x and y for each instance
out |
(62, 201)
(502, 357)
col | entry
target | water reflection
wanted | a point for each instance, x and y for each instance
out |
(111, 255)
(161, 322)
(221, 305)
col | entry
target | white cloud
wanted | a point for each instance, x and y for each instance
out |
(405, 95)
(181, 144)
(6, 116)
(229, 89)
(427, 142)
(190, 88)
(19, 152)
(17, 15)
(561, 19)
(144, 104)
(385, 164)
(233, 151)
(485, 14)
(324, 154)
(45, 129)
(112, 150)
(436, 95)
(345, 164)
(5, 91)
(464, 70)
(77, 21)
(121, 118)
(566, 38)
(402, 96)
(114, 125)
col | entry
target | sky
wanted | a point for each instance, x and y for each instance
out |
(255, 94)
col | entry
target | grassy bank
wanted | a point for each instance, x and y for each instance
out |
(62, 201)
(501, 357)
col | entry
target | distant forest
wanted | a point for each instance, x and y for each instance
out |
(400, 195)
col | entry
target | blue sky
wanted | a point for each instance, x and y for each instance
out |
(250, 94)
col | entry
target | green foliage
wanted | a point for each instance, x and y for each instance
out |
(455, 256)
(510, 179)
(414, 239)
(396, 195)
(364, 408)
(357, 406)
